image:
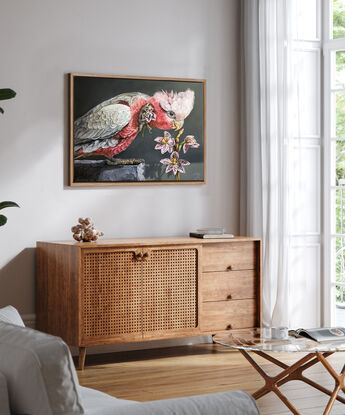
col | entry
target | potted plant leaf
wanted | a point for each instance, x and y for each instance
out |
(6, 93)
(4, 205)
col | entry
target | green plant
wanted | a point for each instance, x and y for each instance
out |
(6, 93)
(4, 205)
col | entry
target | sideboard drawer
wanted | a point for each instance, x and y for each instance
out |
(229, 257)
(229, 285)
(226, 315)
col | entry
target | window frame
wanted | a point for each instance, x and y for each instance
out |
(329, 46)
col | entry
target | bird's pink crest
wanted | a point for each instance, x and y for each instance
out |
(181, 103)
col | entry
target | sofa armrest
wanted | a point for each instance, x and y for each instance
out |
(4, 400)
(223, 403)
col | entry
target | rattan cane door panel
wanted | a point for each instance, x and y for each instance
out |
(170, 290)
(112, 288)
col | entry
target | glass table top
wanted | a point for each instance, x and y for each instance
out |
(255, 339)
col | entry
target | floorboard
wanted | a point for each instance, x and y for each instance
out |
(199, 369)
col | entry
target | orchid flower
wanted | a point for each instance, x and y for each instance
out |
(190, 141)
(174, 163)
(165, 143)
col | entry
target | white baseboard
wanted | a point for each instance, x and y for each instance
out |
(30, 321)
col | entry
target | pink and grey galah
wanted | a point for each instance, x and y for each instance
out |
(111, 126)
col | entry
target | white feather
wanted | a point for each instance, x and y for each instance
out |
(181, 103)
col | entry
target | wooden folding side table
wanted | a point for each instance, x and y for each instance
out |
(252, 340)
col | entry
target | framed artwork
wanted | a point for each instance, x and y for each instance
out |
(130, 130)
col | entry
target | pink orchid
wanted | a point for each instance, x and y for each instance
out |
(190, 141)
(175, 163)
(165, 143)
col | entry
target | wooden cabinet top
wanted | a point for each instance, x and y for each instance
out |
(158, 241)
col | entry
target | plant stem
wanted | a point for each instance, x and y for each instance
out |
(181, 145)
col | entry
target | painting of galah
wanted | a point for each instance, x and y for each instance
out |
(111, 126)
(115, 121)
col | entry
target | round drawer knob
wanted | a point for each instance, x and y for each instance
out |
(229, 327)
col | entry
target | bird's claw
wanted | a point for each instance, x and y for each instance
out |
(123, 162)
(146, 115)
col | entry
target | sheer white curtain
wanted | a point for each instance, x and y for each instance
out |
(266, 145)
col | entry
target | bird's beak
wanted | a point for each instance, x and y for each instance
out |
(177, 125)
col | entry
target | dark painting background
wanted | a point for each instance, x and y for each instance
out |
(91, 91)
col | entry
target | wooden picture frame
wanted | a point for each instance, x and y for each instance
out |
(136, 130)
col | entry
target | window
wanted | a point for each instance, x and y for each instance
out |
(334, 162)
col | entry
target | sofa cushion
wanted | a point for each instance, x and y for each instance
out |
(4, 404)
(99, 403)
(222, 403)
(40, 373)
(10, 314)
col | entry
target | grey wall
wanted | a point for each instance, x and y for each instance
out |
(43, 40)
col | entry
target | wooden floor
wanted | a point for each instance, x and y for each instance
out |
(198, 369)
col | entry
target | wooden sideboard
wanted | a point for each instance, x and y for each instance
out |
(126, 290)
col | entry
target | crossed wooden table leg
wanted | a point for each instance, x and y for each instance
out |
(295, 372)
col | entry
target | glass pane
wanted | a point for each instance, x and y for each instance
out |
(339, 292)
(338, 114)
(340, 163)
(339, 76)
(340, 259)
(338, 19)
(340, 311)
(333, 172)
(340, 210)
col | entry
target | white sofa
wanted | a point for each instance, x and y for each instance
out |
(37, 377)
